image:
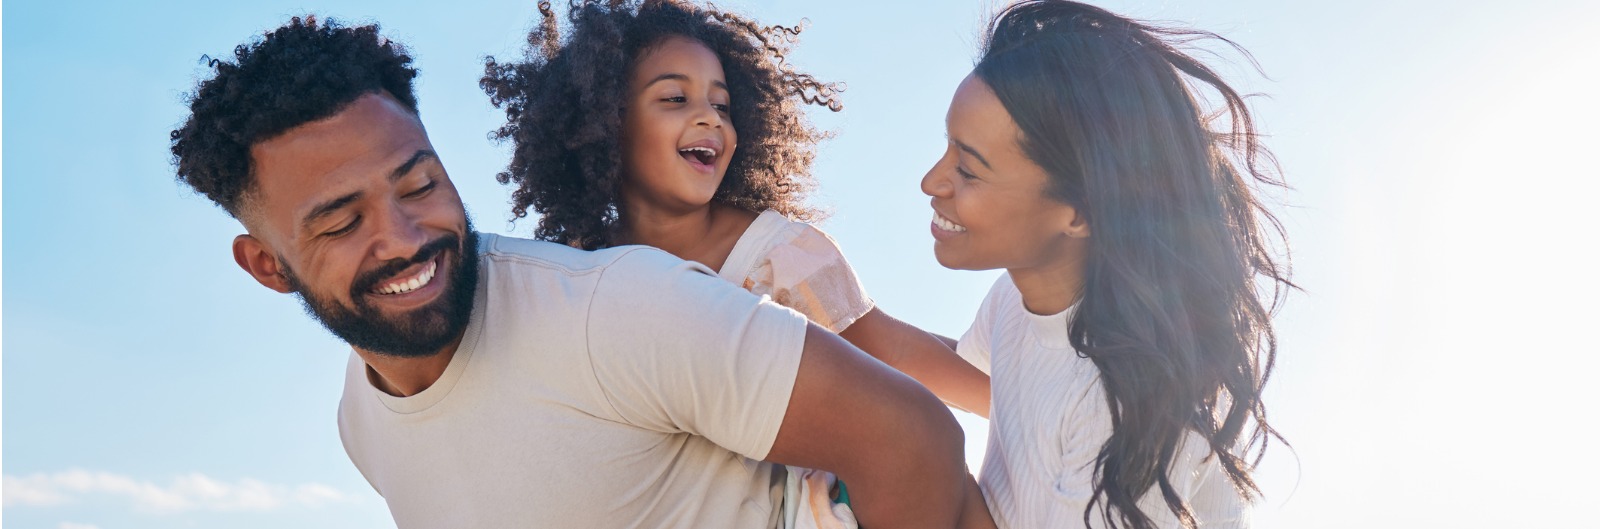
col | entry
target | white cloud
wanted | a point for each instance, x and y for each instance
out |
(189, 492)
(70, 525)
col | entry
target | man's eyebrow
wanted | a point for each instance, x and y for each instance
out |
(969, 150)
(418, 157)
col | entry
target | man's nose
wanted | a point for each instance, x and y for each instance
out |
(399, 234)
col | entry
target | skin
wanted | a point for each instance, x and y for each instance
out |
(896, 444)
(678, 96)
(986, 184)
(396, 198)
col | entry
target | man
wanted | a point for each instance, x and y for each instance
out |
(500, 382)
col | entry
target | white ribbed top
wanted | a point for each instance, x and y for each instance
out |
(1049, 419)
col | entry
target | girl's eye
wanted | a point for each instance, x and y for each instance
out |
(675, 99)
(351, 226)
(423, 191)
(721, 107)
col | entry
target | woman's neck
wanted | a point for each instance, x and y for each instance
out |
(705, 235)
(1054, 285)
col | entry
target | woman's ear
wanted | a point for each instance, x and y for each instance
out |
(1075, 223)
(260, 263)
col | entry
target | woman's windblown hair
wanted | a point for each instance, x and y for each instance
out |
(1181, 280)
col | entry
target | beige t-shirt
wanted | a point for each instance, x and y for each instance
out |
(617, 388)
(801, 268)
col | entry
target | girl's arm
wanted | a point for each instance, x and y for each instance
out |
(924, 356)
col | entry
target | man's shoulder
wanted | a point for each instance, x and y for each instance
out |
(519, 252)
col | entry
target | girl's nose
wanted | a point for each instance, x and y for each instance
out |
(708, 116)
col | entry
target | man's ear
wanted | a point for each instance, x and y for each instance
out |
(260, 263)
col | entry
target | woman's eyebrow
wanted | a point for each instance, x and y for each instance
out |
(969, 150)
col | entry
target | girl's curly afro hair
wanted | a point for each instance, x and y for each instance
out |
(564, 105)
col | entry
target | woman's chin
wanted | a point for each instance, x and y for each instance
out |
(951, 259)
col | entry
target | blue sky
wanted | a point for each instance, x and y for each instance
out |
(1435, 372)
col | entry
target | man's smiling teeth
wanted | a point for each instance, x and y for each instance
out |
(946, 225)
(401, 287)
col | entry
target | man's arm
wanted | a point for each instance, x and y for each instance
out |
(888, 438)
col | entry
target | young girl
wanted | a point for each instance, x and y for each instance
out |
(1128, 341)
(666, 124)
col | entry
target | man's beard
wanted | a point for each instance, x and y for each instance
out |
(418, 333)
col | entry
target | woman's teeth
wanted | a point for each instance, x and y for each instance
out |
(946, 224)
(401, 287)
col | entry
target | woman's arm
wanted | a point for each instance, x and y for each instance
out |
(924, 356)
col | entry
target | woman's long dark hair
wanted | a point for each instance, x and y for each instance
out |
(1180, 280)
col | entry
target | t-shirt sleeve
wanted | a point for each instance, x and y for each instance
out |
(676, 349)
(974, 345)
(808, 273)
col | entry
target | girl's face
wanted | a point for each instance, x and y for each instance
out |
(677, 138)
(989, 201)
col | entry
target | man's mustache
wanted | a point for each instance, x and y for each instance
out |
(369, 280)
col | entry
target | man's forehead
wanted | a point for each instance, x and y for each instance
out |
(367, 138)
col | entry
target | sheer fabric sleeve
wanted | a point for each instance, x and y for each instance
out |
(808, 273)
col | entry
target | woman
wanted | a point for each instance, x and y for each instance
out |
(1128, 341)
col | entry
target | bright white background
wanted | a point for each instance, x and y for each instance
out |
(1436, 372)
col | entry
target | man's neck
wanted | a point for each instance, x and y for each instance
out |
(407, 376)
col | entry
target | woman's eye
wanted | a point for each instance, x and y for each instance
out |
(964, 174)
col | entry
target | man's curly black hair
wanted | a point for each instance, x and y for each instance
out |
(301, 72)
(564, 106)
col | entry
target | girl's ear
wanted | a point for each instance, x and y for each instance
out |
(260, 263)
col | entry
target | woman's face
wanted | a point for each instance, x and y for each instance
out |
(677, 136)
(989, 201)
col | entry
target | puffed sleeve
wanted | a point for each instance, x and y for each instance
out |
(809, 273)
